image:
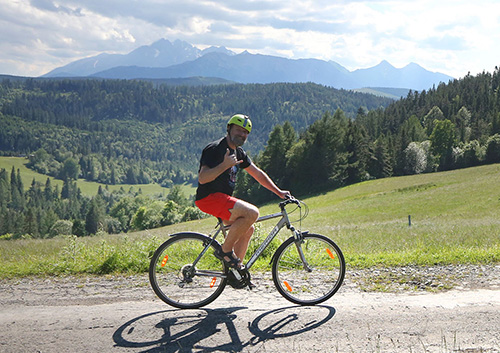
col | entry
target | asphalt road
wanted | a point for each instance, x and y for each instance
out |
(121, 315)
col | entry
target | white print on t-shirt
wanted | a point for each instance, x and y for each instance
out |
(232, 175)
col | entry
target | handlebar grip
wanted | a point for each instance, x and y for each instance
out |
(289, 199)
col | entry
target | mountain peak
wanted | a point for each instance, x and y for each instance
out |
(214, 49)
(385, 64)
(413, 66)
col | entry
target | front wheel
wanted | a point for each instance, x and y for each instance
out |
(310, 279)
(182, 275)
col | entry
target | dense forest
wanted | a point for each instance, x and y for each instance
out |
(135, 133)
(309, 138)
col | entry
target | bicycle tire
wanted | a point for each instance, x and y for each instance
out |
(170, 273)
(300, 286)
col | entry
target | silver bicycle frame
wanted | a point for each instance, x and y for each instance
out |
(281, 223)
(284, 221)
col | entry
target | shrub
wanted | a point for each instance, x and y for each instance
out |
(493, 149)
(61, 227)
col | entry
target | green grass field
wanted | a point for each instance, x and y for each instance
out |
(455, 219)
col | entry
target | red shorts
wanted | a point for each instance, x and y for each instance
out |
(217, 204)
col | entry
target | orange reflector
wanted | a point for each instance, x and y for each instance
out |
(288, 286)
(164, 262)
(212, 284)
(330, 253)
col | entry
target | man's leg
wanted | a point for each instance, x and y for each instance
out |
(241, 246)
(243, 216)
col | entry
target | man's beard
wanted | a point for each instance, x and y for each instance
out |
(238, 141)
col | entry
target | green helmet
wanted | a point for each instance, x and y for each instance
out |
(241, 120)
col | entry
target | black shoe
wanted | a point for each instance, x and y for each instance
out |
(232, 260)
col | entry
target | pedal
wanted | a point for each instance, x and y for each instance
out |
(236, 274)
(239, 279)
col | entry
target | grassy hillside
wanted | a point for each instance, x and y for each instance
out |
(88, 188)
(393, 93)
(454, 219)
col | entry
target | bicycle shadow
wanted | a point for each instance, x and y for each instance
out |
(288, 321)
(203, 329)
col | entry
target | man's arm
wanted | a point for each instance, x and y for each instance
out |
(208, 174)
(264, 180)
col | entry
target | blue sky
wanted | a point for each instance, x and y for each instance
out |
(451, 37)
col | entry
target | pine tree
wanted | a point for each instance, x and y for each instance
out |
(352, 166)
(66, 189)
(5, 194)
(379, 165)
(34, 195)
(113, 179)
(402, 142)
(357, 154)
(48, 193)
(273, 158)
(495, 124)
(31, 223)
(95, 215)
(17, 192)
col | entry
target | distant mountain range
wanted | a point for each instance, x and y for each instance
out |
(180, 60)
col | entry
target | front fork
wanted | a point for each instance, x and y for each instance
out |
(299, 241)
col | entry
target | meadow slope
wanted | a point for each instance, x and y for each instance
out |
(454, 220)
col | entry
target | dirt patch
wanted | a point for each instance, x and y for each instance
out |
(411, 311)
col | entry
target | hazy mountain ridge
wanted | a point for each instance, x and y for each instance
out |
(165, 60)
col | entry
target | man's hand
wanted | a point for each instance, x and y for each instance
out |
(207, 174)
(284, 194)
(230, 160)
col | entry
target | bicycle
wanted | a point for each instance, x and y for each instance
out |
(307, 269)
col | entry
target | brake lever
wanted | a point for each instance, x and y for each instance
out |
(291, 199)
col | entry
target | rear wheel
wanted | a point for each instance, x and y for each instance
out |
(178, 282)
(319, 281)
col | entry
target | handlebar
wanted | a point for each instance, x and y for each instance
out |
(288, 201)
(301, 206)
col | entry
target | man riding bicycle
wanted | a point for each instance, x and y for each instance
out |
(220, 161)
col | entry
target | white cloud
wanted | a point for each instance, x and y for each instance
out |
(453, 37)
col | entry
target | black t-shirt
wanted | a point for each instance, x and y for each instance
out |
(212, 156)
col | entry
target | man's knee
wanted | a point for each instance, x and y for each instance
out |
(254, 212)
(246, 210)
